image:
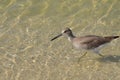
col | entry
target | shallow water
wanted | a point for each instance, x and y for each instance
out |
(26, 27)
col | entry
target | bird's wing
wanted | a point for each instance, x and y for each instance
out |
(93, 41)
(97, 42)
(89, 38)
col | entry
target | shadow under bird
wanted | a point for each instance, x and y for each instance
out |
(88, 42)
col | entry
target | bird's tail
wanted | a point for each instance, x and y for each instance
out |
(109, 38)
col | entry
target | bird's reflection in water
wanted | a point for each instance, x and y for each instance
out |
(109, 58)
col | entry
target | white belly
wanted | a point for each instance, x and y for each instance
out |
(80, 46)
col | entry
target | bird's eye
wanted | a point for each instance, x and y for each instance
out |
(65, 31)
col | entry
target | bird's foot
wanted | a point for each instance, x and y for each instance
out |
(101, 55)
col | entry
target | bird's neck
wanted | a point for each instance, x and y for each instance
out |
(70, 37)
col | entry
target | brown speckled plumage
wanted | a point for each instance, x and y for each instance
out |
(88, 42)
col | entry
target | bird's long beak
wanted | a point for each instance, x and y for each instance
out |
(56, 37)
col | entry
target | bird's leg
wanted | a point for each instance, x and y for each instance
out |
(82, 56)
(100, 55)
(97, 52)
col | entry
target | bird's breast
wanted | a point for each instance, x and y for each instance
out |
(78, 45)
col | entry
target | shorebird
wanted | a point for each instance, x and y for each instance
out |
(88, 42)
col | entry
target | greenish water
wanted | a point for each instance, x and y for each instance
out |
(26, 27)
